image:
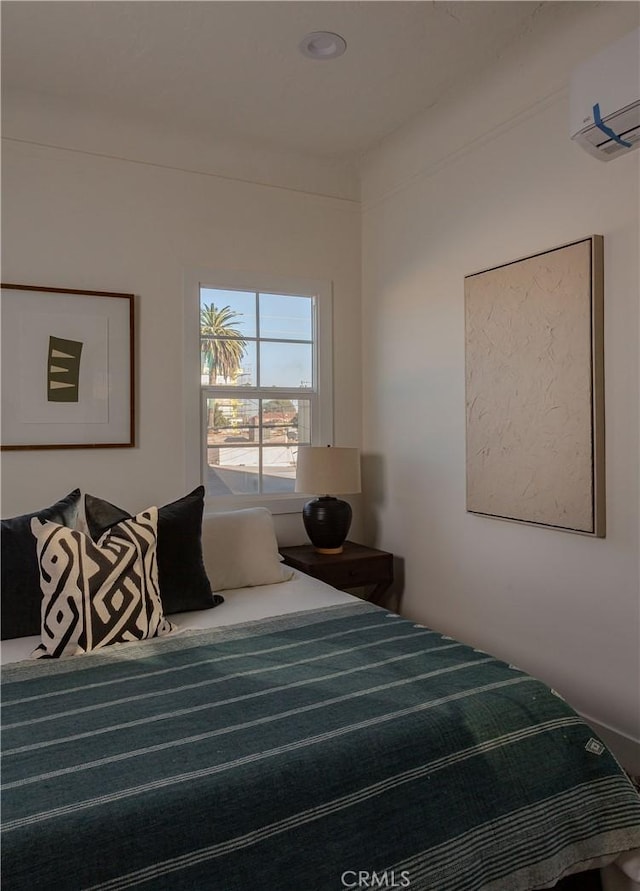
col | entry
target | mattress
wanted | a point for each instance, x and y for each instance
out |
(240, 605)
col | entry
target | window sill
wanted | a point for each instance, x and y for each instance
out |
(277, 504)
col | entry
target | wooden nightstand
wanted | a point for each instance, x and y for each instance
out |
(357, 566)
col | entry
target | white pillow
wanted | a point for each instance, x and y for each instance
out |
(240, 549)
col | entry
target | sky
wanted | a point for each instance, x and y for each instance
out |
(289, 319)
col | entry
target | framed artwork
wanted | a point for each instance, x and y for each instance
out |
(535, 389)
(67, 368)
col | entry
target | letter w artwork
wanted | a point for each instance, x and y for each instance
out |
(63, 370)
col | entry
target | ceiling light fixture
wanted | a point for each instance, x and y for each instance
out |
(322, 45)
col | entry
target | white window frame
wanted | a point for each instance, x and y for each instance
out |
(322, 423)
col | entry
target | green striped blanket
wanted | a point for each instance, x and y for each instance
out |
(343, 747)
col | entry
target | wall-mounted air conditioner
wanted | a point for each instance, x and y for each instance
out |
(604, 100)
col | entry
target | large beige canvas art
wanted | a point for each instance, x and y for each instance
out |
(534, 389)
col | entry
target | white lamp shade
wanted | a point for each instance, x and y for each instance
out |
(325, 470)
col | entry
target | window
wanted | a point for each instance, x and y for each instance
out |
(264, 382)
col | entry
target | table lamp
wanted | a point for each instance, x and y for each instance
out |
(322, 470)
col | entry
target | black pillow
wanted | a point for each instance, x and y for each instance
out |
(182, 578)
(21, 592)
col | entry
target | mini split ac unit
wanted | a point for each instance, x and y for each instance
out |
(604, 100)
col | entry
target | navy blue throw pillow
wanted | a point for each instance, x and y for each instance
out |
(182, 578)
(21, 592)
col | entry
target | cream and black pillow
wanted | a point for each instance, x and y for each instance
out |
(98, 593)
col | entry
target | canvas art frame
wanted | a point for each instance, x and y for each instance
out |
(68, 368)
(534, 369)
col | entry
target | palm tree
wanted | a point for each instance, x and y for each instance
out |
(221, 344)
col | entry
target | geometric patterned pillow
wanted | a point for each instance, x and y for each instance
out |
(182, 578)
(96, 594)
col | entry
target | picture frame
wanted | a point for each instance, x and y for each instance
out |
(534, 368)
(68, 368)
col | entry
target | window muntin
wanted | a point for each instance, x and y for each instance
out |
(197, 281)
(259, 386)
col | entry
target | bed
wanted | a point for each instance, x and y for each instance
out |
(295, 737)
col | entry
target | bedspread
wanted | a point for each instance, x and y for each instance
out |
(301, 752)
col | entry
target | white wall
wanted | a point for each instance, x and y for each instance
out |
(61, 123)
(489, 177)
(79, 220)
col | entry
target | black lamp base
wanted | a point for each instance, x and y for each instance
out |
(327, 521)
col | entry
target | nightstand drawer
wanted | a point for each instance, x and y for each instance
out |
(371, 570)
(356, 566)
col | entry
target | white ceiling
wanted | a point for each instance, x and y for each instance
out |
(233, 68)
